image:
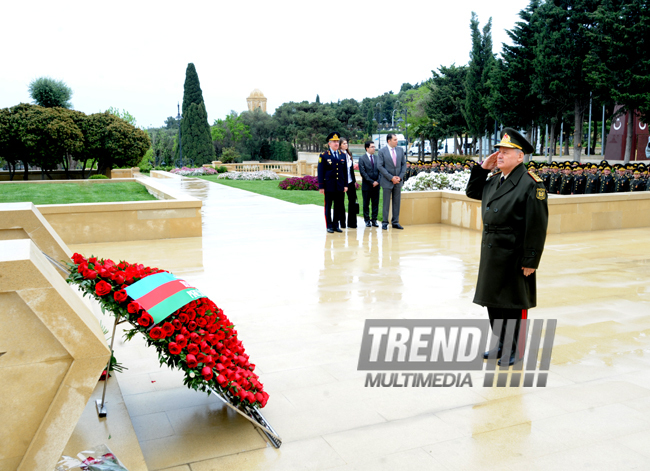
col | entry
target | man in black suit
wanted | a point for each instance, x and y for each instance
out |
(369, 184)
(391, 164)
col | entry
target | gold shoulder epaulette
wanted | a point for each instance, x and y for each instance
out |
(495, 173)
(536, 177)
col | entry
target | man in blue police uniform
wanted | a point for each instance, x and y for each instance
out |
(515, 217)
(332, 182)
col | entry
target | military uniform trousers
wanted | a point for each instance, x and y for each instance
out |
(509, 316)
(337, 200)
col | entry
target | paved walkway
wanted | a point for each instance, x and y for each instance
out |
(299, 298)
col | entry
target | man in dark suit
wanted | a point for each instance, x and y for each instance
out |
(391, 164)
(514, 208)
(332, 182)
(369, 184)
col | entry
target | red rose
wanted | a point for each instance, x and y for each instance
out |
(191, 325)
(102, 288)
(177, 324)
(207, 373)
(185, 332)
(168, 329)
(90, 274)
(221, 380)
(118, 278)
(200, 311)
(194, 337)
(145, 320)
(120, 296)
(193, 348)
(205, 348)
(78, 258)
(201, 357)
(191, 361)
(174, 348)
(92, 260)
(180, 338)
(209, 361)
(220, 367)
(184, 318)
(133, 308)
(156, 333)
(201, 322)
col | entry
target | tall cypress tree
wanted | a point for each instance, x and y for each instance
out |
(196, 140)
(477, 81)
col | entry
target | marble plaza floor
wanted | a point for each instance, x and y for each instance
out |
(299, 298)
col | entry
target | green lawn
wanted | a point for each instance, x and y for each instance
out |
(70, 193)
(271, 188)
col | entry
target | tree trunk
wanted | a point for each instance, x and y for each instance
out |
(628, 140)
(595, 135)
(455, 143)
(551, 142)
(26, 171)
(578, 113)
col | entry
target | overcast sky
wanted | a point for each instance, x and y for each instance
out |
(133, 54)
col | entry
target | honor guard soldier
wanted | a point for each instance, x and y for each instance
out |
(637, 184)
(579, 182)
(606, 181)
(332, 182)
(566, 185)
(593, 180)
(622, 183)
(556, 179)
(546, 176)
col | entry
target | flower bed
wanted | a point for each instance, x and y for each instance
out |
(299, 183)
(194, 172)
(198, 338)
(437, 181)
(262, 175)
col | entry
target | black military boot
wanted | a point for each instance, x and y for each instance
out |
(512, 359)
(494, 353)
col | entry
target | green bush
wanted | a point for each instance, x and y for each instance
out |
(145, 163)
(221, 169)
(230, 155)
(164, 168)
(98, 176)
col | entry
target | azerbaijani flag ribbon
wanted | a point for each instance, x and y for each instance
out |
(161, 294)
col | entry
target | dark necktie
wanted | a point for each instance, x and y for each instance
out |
(501, 181)
(372, 162)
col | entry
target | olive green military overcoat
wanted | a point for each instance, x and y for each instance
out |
(515, 218)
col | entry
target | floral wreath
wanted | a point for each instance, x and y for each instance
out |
(198, 338)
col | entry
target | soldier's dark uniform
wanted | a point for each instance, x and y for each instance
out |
(556, 181)
(566, 184)
(622, 184)
(593, 184)
(637, 184)
(332, 177)
(606, 183)
(515, 219)
(579, 184)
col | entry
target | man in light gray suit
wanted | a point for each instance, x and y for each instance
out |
(391, 164)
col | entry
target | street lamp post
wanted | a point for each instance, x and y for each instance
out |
(378, 123)
(180, 135)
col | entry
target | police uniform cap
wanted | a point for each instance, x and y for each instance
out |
(333, 136)
(512, 139)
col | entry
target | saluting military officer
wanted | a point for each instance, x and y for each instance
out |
(515, 218)
(622, 183)
(332, 182)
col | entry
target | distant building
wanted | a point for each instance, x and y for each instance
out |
(256, 100)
